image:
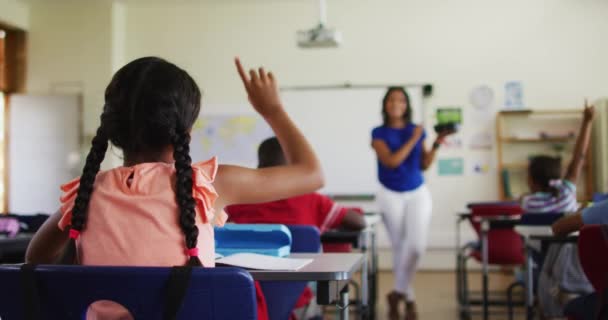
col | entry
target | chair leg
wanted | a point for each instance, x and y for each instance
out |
(465, 289)
(510, 297)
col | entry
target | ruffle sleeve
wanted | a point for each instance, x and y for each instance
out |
(204, 192)
(70, 190)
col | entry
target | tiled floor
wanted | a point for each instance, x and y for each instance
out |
(436, 295)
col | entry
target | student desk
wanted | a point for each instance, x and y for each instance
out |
(331, 271)
(533, 235)
(364, 240)
(14, 246)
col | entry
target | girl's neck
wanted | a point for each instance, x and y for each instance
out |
(396, 123)
(164, 156)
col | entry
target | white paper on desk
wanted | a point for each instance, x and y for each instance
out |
(263, 262)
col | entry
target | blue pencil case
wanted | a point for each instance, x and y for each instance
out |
(269, 239)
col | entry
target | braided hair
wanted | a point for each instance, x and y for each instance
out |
(149, 104)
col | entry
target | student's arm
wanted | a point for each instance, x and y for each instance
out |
(394, 159)
(428, 156)
(48, 243)
(582, 144)
(353, 220)
(597, 214)
(567, 224)
(303, 172)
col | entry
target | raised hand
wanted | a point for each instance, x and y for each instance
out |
(261, 88)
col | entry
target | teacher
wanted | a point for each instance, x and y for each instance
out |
(404, 200)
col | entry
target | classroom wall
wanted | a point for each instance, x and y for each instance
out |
(70, 50)
(556, 47)
(14, 13)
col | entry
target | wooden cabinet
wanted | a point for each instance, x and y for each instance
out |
(524, 134)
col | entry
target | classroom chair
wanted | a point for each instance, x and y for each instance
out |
(54, 292)
(283, 297)
(599, 197)
(592, 251)
(499, 246)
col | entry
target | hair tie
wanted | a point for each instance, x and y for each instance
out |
(74, 234)
(192, 252)
(555, 183)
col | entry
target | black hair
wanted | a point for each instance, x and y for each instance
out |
(149, 104)
(544, 169)
(407, 116)
(270, 153)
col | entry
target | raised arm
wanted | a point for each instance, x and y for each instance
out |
(582, 144)
(394, 159)
(303, 172)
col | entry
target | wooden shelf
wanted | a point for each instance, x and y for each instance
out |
(518, 134)
(540, 112)
(537, 140)
(515, 166)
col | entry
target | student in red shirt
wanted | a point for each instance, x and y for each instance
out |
(309, 209)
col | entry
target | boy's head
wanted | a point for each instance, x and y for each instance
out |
(541, 171)
(270, 153)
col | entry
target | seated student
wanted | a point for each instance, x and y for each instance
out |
(309, 209)
(561, 273)
(159, 208)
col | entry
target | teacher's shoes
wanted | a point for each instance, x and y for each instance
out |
(411, 312)
(394, 299)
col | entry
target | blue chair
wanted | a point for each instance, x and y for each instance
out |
(305, 239)
(599, 197)
(539, 219)
(65, 292)
(281, 297)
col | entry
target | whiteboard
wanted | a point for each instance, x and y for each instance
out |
(43, 132)
(338, 123)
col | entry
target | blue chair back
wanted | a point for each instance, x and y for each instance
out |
(66, 292)
(599, 197)
(539, 219)
(281, 297)
(305, 239)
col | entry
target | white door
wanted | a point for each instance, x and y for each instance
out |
(43, 131)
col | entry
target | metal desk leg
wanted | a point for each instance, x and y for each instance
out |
(343, 305)
(485, 227)
(529, 285)
(364, 308)
(373, 296)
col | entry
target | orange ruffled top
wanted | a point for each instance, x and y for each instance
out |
(133, 216)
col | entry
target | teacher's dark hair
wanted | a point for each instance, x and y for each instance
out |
(407, 116)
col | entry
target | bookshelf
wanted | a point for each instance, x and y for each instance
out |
(523, 134)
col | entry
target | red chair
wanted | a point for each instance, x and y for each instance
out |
(502, 245)
(592, 252)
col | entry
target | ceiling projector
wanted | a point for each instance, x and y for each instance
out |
(319, 37)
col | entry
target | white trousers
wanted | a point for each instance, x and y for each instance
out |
(406, 216)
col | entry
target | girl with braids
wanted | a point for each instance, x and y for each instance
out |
(159, 208)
